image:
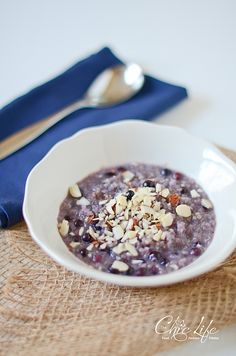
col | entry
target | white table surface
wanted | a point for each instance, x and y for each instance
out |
(187, 42)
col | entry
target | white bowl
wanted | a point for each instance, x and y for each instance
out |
(126, 141)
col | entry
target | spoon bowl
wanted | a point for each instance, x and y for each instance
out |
(115, 85)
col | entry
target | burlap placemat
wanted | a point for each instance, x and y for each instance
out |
(48, 310)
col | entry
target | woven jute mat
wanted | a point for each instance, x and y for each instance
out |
(47, 310)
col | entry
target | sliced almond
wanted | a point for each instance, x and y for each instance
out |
(110, 205)
(90, 247)
(146, 224)
(120, 266)
(206, 203)
(103, 246)
(133, 241)
(147, 200)
(157, 236)
(129, 204)
(121, 200)
(123, 224)
(157, 206)
(147, 210)
(135, 262)
(119, 208)
(144, 191)
(64, 227)
(130, 234)
(92, 233)
(126, 214)
(81, 231)
(102, 202)
(130, 224)
(127, 176)
(75, 191)
(194, 193)
(131, 249)
(158, 187)
(108, 233)
(165, 192)
(166, 219)
(74, 244)
(83, 201)
(118, 232)
(183, 210)
(119, 248)
(137, 198)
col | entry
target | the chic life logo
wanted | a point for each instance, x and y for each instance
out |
(171, 328)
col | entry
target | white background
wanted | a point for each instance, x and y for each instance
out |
(187, 42)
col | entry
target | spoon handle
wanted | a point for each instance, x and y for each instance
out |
(21, 138)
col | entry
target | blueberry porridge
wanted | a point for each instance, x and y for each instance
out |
(137, 219)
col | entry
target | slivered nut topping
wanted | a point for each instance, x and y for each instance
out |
(157, 236)
(109, 206)
(118, 232)
(183, 210)
(122, 200)
(64, 228)
(194, 193)
(130, 234)
(83, 201)
(206, 203)
(165, 192)
(125, 247)
(74, 244)
(131, 249)
(75, 191)
(120, 266)
(128, 176)
(167, 219)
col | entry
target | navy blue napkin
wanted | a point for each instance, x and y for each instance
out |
(155, 97)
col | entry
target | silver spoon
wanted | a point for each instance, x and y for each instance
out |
(112, 86)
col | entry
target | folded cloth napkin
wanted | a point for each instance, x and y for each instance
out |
(155, 97)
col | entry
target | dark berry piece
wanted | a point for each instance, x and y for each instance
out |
(83, 252)
(67, 217)
(129, 194)
(130, 272)
(97, 258)
(184, 191)
(107, 250)
(165, 172)
(121, 169)
(196, 251)
(100, 195)
(154, 270)
(110, 174)
(76, 238)
(149, 183)
(153, 256)
(178, 175)
(157, 256)
(86, 238)
(141, 271)
(113, 270)
(98, 228)
(78, 223)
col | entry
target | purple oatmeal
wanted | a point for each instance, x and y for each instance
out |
(137, 219)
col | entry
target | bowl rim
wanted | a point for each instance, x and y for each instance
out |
(123, 280)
